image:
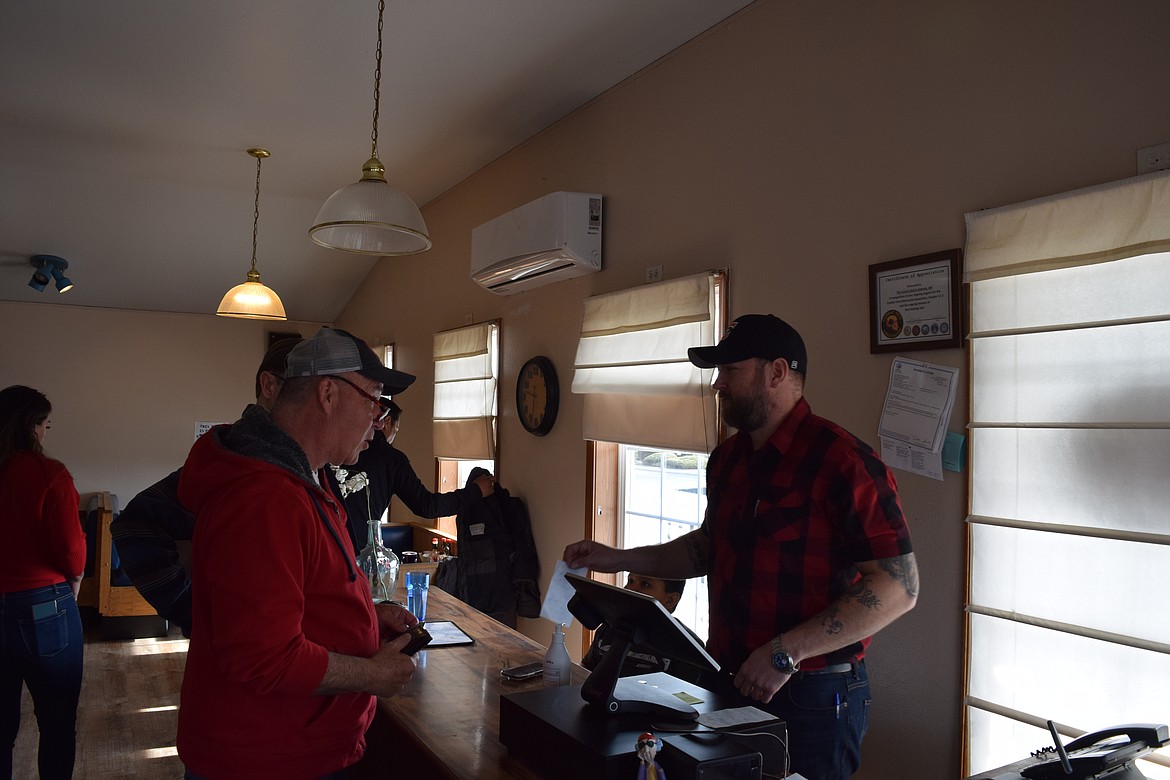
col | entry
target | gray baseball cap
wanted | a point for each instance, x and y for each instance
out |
(335, 351)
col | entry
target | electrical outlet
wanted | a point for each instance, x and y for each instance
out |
(1153, 158)
(653, 274)
(467, 319)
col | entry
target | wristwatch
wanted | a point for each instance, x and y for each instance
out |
(781, 659)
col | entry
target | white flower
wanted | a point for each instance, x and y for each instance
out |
(348, 484)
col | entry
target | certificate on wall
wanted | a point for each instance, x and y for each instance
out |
(914, 303)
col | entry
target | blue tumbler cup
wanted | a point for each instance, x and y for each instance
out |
(417, 584)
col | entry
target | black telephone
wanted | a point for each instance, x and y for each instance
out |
(1111, 751)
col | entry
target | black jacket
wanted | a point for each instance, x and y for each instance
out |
(497, 568)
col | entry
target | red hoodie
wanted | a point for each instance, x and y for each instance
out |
(274, 591)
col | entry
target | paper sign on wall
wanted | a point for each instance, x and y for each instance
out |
(913, 427)
(203, 427)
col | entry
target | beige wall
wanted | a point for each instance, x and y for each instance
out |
(127, 388)
(795, 145)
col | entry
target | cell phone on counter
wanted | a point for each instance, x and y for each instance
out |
(419, 638)
(523, 672)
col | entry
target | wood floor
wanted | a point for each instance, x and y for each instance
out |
(127, 717)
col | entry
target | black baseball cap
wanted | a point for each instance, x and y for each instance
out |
(754, 336)
(335, 351)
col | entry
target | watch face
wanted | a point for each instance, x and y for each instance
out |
(783, 662)
(537, 396)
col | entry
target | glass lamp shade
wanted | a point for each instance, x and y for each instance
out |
(370, 217)
(252, 300)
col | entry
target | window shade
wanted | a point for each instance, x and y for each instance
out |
(1070, 448)
(632, 365)
(1092, 225)
(465, 392)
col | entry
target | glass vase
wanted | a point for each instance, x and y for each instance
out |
(379, 563)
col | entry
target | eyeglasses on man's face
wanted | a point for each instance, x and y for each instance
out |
(381, 409)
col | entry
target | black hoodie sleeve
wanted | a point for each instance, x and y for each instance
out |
(405, 484)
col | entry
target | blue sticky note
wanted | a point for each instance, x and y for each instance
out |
(953, 450)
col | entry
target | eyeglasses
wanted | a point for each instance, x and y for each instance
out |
(382, 410)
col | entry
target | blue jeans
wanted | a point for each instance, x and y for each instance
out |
(41, 646)
(827, 717)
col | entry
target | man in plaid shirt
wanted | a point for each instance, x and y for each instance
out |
(804, 544)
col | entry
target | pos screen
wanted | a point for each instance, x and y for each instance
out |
(634, 618)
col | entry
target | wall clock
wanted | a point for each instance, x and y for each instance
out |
(537, 395)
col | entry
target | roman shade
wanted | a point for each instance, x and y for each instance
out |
(1070, 448)
(465, 392)
(632, 365)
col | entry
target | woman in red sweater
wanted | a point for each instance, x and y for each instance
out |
(42, 556)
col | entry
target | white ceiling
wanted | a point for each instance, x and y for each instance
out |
(124, 125)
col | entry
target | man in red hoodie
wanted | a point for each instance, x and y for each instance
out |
(287, 650)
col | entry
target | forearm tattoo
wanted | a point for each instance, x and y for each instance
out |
(901, 569)
(862, 594)
(830, 622)
(697, 552)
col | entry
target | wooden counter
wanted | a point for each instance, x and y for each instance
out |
(446, 723)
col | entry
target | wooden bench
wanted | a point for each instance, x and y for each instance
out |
(98, 590)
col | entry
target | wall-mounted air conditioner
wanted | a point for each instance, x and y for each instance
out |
(552, 238)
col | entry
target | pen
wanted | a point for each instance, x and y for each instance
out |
(837, 696)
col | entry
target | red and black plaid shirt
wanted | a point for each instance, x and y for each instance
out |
(786, 524)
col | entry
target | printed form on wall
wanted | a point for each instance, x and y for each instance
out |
(918, 405)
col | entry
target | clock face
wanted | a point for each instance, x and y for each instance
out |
(537, 396)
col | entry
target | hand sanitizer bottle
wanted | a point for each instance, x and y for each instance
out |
(556, 660)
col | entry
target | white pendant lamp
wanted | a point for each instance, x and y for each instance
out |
(252, 300)
(370, 217)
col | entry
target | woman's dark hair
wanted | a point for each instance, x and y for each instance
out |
(21, 410)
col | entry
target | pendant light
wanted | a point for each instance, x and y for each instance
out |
(252, 300)
(370, 217)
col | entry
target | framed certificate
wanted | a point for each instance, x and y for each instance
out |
(915, 303)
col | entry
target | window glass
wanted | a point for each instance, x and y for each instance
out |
(466, 466)
(664, 496)
(1070, 445)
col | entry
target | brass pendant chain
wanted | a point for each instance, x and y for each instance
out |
(377, 81)
(256, 211)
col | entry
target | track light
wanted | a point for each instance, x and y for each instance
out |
(49, 265)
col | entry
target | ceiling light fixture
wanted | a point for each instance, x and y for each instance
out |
(49, 265)
(252, 300)
(370, 217)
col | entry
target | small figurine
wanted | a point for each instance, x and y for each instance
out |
(647, 748)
